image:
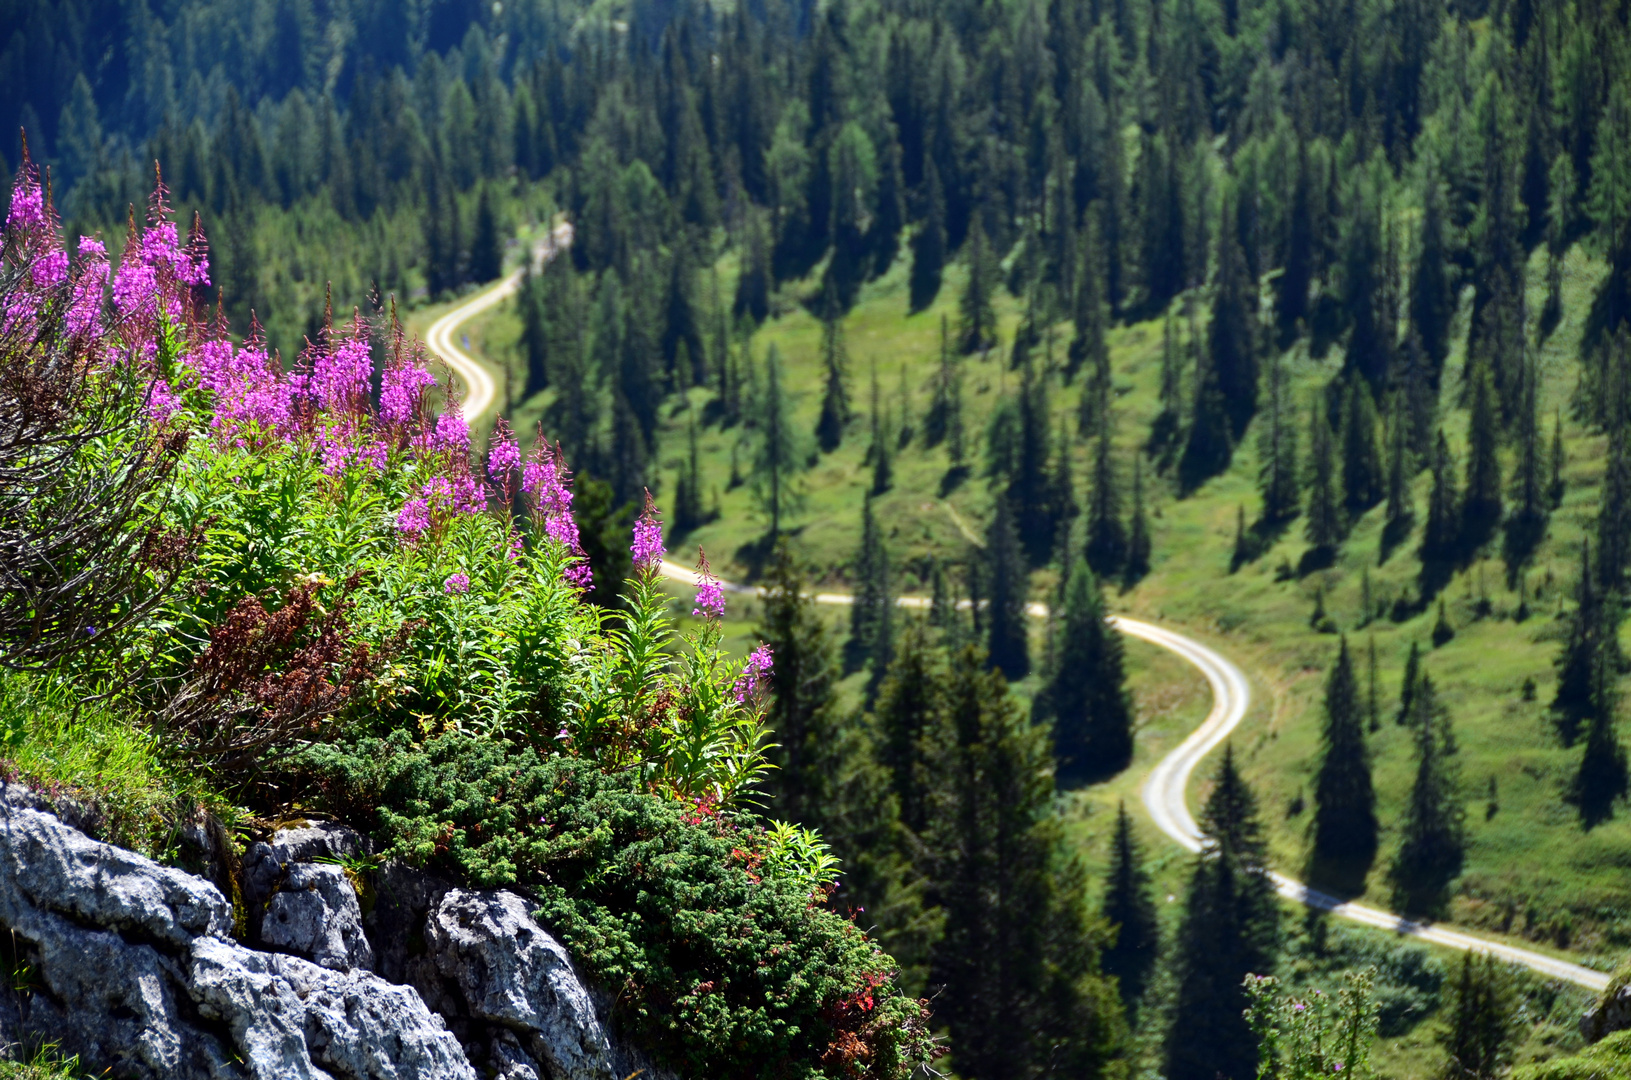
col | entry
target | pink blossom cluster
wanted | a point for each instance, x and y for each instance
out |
(758, 665)
(648, 538)
(547, 481)
(340, 376)
(402, 388)
(710, 602)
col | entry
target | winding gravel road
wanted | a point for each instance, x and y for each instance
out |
(1165, 787)
(480, 389)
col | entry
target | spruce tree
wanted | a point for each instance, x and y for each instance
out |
(835, 413)
(1129, 908)
(777, 458)
(803, 712)
(1169, 420)
(1373, 701)
(754, 286)
(1362, 476)
(1407, 684)
(688, 511)
(1230, 929)
(1089, 312)
(1401, 509)
(1527, 525)
(1208, 448)
(1433, 839)
(534, 331)
(1106, 534)
(1588, 652)
(977, 329)
(1344, 801)
(1009, 581)
(1601, 778)
(929, 245)
(1479, 1028)
(1441, 535)
(880, 452)
(869, 615)
(1481, 506)
(910, 719)
(1087, 695)
(1230, 341)
(1277, 452)
(1297, 277)
(487, 246)
(1432, 299)
(1325, 522)
(1018, 961)
(1138, 533)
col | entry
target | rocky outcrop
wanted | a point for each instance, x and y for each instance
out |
(130, 965)
(1611, 1013)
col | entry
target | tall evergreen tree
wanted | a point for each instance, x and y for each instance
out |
(1138, 533)
(1432, 299)
(803, 702)
(869, 616)
(835, 412)
(937, 421)
(1089, 312)
(1168, 421)
(1009, 582)
(534, 332)
(1230, 342)
(1297, 278)
(1129, 908)
(911, 721)
(1362, 476)
(977, 329)
(776, 459)
(1345, 826)
(1479, 1029)
(487, 246)
(1087, 696)
(688, 512)
(1208, 447)
(1106, 535)
(1481, 505)
(929, 245)
(880, 453)
(1230, 929)
(1401, 508)
(1441, 535)
(1019, 961)
(1277, 452)
(1527, 524)
(1325, 521)
(1407, 684)
(1588, 653)
(1433, 840)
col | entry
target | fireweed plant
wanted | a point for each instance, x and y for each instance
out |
(345, 609)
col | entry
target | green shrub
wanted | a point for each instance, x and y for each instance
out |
(726, 966)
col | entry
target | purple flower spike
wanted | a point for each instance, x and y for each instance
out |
(753, 672)
(456, 584)
(710, 600)
(452, 432)
(504, 457)
(413, 520)
(648, 538)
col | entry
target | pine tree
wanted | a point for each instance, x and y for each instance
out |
(688, 512)
(1208, 448)
(1479, 1029)
(1601, 778)
(929, 245)
(1030, 489)
(1401, 509)
(937, 421)
(1559, 459)
(1089, 313)
(977, 330)
(777, 457)
(910, 716)
(1106, 535)
(487, 246)
(1432, 300)
(835, 399)
(1433, 841)
(803, 704)
(1087, 696)
(1292, 288)
(1138, 534)
(1009, 580)
(1325, 523)
(1345, 826)
(880, 453)
(1130, 909)
(1481, 507)
(754, 286)
(869, 615)
(1588, 652)
(1230, 341)
(1527, 525)
(1277, 451)
(1019, 963)
(1407, 684)
(1441, 536)
(1230, 929)
(1362, 477)
(534, 331)
(1373, 701)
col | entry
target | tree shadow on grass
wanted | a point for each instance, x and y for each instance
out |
(1342, 878)
(756, 554)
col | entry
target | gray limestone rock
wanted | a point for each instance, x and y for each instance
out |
(509, 972)
(307, 908)
(1610, 1014)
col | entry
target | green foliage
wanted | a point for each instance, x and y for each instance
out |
(1607, 1060)
(1299, 1039)
(1345, 824)
(710, 925)
(1480, 1027)
(1087, 696)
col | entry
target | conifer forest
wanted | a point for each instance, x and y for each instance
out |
(987, 539)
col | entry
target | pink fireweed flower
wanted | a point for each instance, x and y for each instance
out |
(27, 200)
(85, 310)
(340, 376)
(413, 520)
(162, 402)
(753, 672)
(452, 433)
(648, 537)
(456, 584)
(401, 388)
(504, 457)
(547, 480)
(135, 289)
(51, 270)
(710, 602)
(345, 444)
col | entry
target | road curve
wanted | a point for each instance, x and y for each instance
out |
(480, 390)
(1165, 787)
